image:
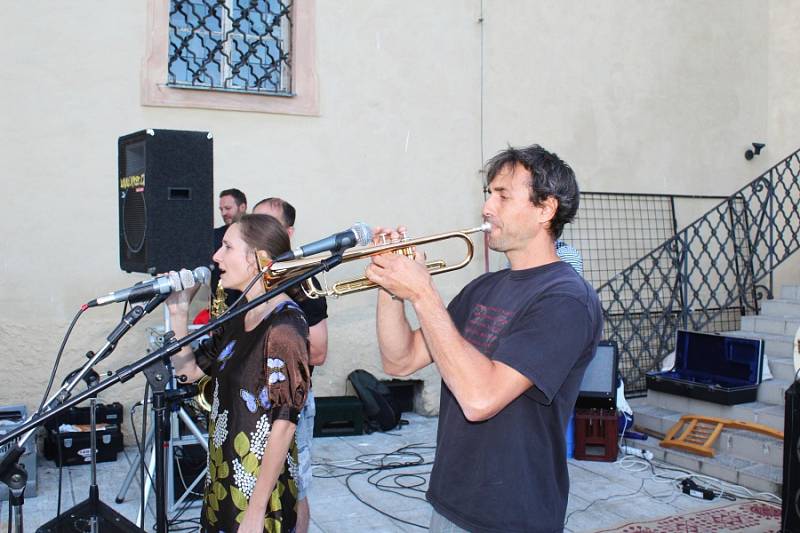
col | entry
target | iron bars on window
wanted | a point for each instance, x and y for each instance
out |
(231, 45)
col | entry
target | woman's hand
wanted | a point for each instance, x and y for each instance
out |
(178, 301)
(253, 522)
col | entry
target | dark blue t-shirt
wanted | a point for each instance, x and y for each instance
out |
(509, 473)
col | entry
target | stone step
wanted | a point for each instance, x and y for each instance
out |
(755, 475)
(762, 413)
(790, 292)
(782, 368)
(781, 307)
(778, 325)
(773, 391)
(732, 442)
(775, 346)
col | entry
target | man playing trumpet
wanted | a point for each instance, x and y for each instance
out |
(512, 348)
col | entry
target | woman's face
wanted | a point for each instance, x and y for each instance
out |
(236, 260)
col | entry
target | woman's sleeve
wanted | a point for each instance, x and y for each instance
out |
(207, 351)
(286, 365)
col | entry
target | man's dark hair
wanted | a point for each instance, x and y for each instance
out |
(551, 177)
(288, 212)
(238, 196)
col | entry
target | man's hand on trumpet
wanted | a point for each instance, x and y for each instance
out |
(402, 277)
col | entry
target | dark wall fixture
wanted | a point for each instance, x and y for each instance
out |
(750, 154)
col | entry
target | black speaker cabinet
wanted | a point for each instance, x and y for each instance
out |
(166, 200)
(790, 493)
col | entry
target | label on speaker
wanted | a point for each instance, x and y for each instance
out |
(132, 182)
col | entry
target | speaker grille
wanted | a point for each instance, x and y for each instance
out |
(134, 220)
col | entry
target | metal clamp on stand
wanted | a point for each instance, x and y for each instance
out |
(14, 475)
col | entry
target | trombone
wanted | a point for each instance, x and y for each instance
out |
(275, 272)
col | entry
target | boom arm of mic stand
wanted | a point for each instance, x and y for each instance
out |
(127, 372)
(59, 397)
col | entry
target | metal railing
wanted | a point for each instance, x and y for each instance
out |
(706, 276)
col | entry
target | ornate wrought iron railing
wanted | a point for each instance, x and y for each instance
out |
(712, 269)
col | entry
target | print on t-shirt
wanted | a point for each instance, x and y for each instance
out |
(484, 326)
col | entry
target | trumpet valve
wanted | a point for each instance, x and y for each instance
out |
(407, 251)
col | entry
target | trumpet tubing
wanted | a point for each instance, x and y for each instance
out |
(278, 271)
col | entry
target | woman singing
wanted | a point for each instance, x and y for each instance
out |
(258, 363)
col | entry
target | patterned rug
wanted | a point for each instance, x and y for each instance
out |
(743, 516)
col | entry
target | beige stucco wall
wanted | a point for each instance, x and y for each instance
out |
(643, 96)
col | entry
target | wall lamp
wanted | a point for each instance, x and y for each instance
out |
(750, 154)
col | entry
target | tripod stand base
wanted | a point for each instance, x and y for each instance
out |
(76, 520)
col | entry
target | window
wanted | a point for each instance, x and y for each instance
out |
(248, 55)
(232, 45)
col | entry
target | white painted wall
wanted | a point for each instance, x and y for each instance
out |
(642, 96)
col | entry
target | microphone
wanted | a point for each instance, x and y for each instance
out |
(359, 234)
(174, 281)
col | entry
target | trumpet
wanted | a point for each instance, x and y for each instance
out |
(275, 272)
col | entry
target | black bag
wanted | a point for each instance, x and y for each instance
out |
(380, 410)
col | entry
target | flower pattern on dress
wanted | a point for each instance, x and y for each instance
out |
(258, 438)
(294, 468)
(221, 429)
(215, 401)
(244, 480)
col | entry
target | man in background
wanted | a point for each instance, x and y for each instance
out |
(232, 205)
(316, 311)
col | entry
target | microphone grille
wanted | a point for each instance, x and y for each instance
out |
(363, 233)
(202, 275)
(187, 279)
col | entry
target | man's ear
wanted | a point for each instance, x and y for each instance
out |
(290, 231)
(547, 209)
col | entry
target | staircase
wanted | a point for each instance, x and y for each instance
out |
(742, 457)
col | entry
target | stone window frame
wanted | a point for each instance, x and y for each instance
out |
(305, 84)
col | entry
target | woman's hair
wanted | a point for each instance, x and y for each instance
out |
(264, 232)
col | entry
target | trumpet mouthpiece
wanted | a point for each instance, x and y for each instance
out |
(486, 227)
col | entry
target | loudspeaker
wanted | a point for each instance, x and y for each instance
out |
(166, 200)
(790, 493)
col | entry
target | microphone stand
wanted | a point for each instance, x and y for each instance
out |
(153, 364)
(12, 473)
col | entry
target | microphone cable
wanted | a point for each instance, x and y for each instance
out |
(58, 359)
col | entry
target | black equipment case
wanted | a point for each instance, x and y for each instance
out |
(76, 445)
(711, 367)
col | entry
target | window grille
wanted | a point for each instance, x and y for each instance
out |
(231, 45)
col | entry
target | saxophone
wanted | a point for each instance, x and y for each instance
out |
(206, 392)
